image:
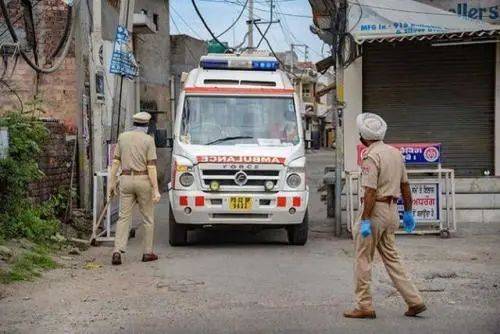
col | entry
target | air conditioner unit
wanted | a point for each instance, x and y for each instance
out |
(143, 24)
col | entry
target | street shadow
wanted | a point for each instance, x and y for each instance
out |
(232, 238)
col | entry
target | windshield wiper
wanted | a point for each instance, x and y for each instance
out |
(220, 140)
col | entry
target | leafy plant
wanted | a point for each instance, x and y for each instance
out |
(19, 217)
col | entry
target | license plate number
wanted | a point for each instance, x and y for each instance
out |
(240, 203)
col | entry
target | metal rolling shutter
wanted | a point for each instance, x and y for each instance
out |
(435, 94)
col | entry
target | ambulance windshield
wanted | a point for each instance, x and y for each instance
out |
(229, 120)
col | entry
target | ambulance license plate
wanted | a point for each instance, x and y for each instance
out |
(240, 203)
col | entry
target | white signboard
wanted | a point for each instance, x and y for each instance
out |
(372, 19)
(484, 10)
(425, 202)
(4, 143)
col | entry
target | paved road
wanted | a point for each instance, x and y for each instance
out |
(237, 282)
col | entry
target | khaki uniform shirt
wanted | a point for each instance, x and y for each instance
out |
(383, 169)
(134, 149)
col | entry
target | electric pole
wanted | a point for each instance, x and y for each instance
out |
(96, 74)
(250, 24)
(338, 51)
(123, 87)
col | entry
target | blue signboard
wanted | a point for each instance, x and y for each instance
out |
(413, 153)
(122, 60)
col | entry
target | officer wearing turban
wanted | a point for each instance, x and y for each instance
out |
(384, 180)
(135, 154)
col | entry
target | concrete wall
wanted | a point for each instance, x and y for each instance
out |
(353, 83)
(152, 53)
(185, 56)
(151, 50)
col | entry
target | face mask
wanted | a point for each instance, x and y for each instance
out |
(363, 141)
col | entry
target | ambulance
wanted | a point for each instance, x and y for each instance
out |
(238, 156)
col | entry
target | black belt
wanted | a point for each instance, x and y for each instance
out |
(387, 199)
(134, 172)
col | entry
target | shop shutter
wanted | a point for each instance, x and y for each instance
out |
(435, 94)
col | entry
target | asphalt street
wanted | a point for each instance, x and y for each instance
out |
(241, 282)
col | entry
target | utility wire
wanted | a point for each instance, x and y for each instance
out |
(205, 24)
(34, 66)
(187, 46)
(236, 20)
(186, 23)
(402, 10)
(17, 19)
(13, 91)
(272, 51)
(268, 26)
(263, 10)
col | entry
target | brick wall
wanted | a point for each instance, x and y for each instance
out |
(56, 91)
(55, 162)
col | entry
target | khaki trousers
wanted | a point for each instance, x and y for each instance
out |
(135, 189)
(385, 220)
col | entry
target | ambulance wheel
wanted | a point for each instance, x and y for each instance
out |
(444, 234)
(297, 234)
(177, 232)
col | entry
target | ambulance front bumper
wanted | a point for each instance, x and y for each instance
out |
(188, 207)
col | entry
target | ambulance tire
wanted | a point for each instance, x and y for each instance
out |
(177, 235)
(297, 234)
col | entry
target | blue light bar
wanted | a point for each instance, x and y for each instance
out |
(265, 65)
(214, 64)
(242, 63)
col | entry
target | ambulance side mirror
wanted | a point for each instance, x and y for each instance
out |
(162, 139)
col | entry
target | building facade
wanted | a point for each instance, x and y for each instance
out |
(185, 53)
(444, 91)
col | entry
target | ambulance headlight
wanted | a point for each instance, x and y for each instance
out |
(186, 179)
(294, 180)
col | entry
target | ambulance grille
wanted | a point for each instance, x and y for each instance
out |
(256, 179)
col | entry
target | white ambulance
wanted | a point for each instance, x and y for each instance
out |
(238, 152)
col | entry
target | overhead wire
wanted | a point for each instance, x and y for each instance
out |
(235, 21)
(13, 91)
(272, 51)
(205, 24)
(185, 22)
(404, 10)
(28, 60)
(187, 46)
(271, 9)
(17, 19)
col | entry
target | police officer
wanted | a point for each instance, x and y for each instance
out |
(383, 180)
(135, 153)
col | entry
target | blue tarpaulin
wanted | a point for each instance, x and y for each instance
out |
(122, 59)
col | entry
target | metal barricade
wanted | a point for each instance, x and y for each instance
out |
(105, 233)
(433, 197)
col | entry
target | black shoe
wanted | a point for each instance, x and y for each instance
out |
(413, 311)
(117, 259)
(149, 257)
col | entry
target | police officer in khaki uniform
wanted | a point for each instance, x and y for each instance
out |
(135, 153)
(383, 180)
